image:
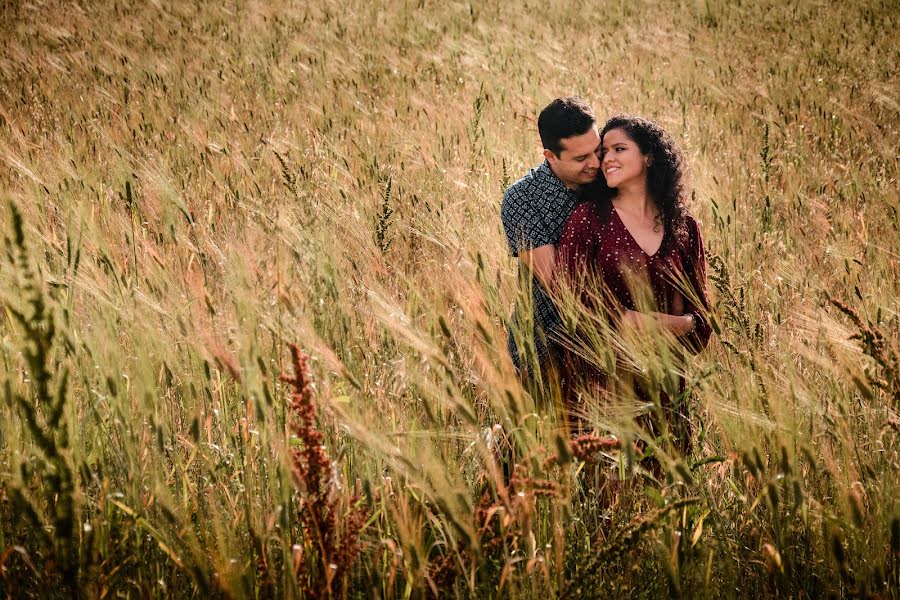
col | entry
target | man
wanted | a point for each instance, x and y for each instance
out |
(536, 207)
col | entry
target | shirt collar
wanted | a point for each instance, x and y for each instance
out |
(549, 178)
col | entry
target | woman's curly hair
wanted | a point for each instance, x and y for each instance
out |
(666, 171)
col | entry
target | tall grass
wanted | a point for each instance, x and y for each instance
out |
(188, 189)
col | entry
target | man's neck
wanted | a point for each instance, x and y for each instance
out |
(572, 186)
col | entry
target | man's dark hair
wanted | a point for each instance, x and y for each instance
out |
(564, 117)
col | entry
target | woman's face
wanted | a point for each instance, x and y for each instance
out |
(621, 159)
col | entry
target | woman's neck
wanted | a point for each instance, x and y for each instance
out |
(635, 200)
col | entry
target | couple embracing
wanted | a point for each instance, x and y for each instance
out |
(604, 218)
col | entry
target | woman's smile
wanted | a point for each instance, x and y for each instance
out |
(622, 160)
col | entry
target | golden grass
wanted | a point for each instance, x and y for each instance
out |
(202, 185)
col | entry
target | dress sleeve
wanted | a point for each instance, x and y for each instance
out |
(698, 304)
(576, 247)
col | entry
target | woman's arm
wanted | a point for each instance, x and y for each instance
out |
(575, 251)
(677, 324)
(689, 322)
(697, 301)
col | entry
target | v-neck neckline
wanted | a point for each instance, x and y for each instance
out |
(634, 240)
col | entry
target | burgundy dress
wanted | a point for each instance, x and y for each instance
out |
(596, 250)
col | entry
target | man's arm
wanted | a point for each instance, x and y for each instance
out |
(540, 261)
(526, 233)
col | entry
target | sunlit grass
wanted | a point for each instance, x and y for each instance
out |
(201, 186)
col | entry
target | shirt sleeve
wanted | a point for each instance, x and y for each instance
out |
(698, 304)
(522, 219)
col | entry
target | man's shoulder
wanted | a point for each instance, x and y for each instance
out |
(533, 186)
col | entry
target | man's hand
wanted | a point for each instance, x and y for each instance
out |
(541, 261)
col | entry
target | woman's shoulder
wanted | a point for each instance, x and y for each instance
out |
(692, 227)
(690, 238)
(583, 209)
(690, 222)
(589, 210)
(583, 225)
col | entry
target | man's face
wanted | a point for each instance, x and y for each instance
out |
(578, 162)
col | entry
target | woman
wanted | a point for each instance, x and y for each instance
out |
(636, 230)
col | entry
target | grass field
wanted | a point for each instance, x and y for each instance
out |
(190, 188)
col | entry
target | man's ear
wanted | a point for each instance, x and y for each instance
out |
(548, 154)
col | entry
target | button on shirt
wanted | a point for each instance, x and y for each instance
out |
(533, 212)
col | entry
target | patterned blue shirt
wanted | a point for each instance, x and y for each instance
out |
(533, 212)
